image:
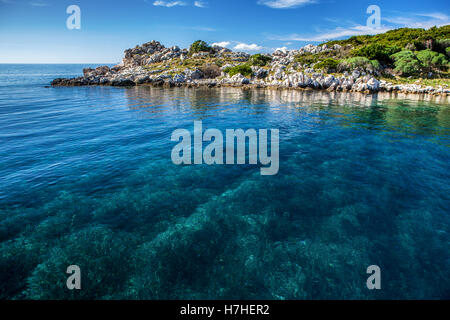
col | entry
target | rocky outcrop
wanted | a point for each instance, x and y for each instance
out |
(282, 72)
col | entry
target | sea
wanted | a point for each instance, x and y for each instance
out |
(87, 179)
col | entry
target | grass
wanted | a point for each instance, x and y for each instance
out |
(444, 82)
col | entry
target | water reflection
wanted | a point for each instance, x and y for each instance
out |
(408, 113)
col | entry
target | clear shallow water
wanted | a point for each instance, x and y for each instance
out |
(87, 179)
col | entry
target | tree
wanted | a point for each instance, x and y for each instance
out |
(199, 46)
(432, 60)
(406, 63)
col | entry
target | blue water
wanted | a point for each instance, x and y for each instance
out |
(87, 179)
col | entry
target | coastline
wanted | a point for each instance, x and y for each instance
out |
(389, 88)
(155, 65)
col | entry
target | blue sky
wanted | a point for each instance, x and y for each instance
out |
(35, 31)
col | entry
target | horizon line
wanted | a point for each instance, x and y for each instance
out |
(59, 63)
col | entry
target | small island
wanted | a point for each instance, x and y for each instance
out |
(403, 60)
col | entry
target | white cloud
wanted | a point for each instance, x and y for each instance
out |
(333, 34)
(282, 49)
(284, 4)
(223, 44)
(200, 4)
(437, 16)
(420, 20)
(247, 47)
(410, 20)
(168, 4)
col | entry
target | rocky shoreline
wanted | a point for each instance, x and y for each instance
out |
(155, 65)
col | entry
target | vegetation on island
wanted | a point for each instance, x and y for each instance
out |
(404, 55)
(199, 46)
(397, 54)
(402, 52)
(243, 69)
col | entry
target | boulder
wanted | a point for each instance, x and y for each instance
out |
(179, 78)
(373, 84)
(259, 73)
(193, 74)
(239, 79)
(356, 74)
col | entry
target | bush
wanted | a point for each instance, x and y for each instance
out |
(355, 63)
(260, 60)
(399, 37)
(376, 65)
(442, 45)
(406, 63)
(431, 59)
(447, 51)
(328, 64)
(243, 69)
(199, 46)
(376, 52)
(210, 71)
(307, 58)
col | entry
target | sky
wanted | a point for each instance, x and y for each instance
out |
(35, 31)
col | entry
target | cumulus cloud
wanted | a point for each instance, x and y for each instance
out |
(247, 47)
(223, 44)
(282, 49)
(168, 4)
(285, 4)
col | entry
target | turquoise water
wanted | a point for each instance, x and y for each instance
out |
(87, 179)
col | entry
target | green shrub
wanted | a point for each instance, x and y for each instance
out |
(431, 59)
(376, 52)
(447, 51)
(376, 64)
(442, 45)
(354, 63)
(406, 63)
(372, 51)
(390, 50)
(328, 64)
(398, 37)
(243, 69)
(307, 58)
(418, 45)
(199, 46)
(260, 60)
